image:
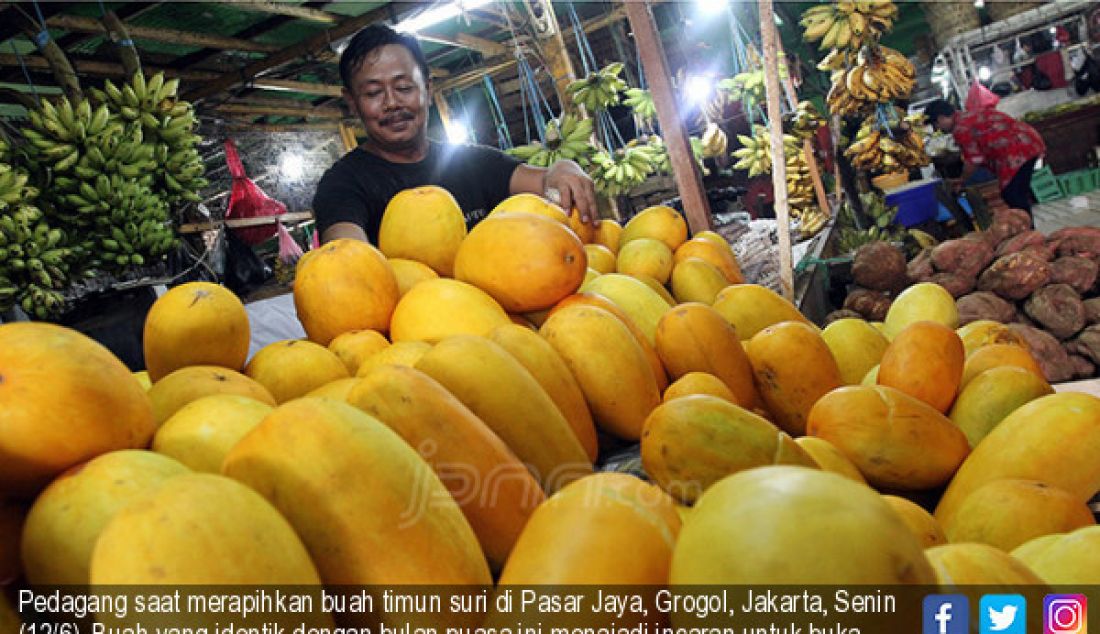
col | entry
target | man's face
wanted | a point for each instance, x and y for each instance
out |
(390, 95)
(945, 123)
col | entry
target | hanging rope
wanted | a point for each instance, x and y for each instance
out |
(588, 58)
(42, 38)
(504, 138)
(26, 73)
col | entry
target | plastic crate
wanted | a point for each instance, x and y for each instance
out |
(1075, 183)
(1045, 186)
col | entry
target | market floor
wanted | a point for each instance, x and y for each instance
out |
(1056, 214)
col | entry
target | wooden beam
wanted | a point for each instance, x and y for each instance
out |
(316, 43)
(210, 225)
(685, 170)
(245, 126)
(305, 87)
(285, 9)
(279, 111)
(465, 79)
(558, 63)
(770, 43)
(465, 40)
(170, 36)
(104, 69)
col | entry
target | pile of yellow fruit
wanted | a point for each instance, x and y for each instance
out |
(441, 422)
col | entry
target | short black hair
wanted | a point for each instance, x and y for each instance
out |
(376, 36)
(938, 108)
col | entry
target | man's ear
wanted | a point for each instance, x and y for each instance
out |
(350, 101)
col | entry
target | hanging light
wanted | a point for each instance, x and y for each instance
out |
(292, 166)
(711, 7)
(457, 133)
(438, 14)
(984, 73)
(697, 88)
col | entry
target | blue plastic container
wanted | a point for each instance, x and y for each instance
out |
(945, 213)
(916, 202)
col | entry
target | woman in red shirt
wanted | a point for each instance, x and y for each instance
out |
(990, 138)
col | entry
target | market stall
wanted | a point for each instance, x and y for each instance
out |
(778, 355)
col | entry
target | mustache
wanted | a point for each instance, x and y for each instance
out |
(397, 117)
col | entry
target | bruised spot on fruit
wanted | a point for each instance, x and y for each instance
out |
(220, 377)
(200, 294)
(569, 258)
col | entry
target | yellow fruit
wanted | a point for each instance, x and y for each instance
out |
(991, 396)
(589, 275)
(345, 285)
(695, 280)
(355, 346)
(1054, 439)
(289, 369)
(829, 458)
(409, 273)
(619, 383)
(436, 309)
(697, 383)
(201, 529)
(337, 390)
(1007, 513)
(202, 432)
(751, 308)
(689, 443)
(793, 369)
(871, 378)
(345, 482)
(64, 399)
(501, 392)
(143, 380)
(548, 368)
(197, 323)
(1072, 559)
(531, 204)
(608, 234)
(645, 257)
(189, 384)
(720, 257)
(600, 258)
(401, 353)
(925, 360)
(524, 261)
(856, 346)
(423, 224)
(920, 522)
(838, 531)
(921, 302)
(68, 517)
(996, 355)
(585, 231)
(641, 303)
(897, 441)
(978, 564)
(659, 288)
(712, 236)
(658, 223)
(983, 332)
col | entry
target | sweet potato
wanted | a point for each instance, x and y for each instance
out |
(956, 284)
(984, 305)
(1058, 309)
(965, 258)
(1021, 241)
(1082, 241)
(1087, 344)
(1082, 368)
(843, 313)
(1092, 310)
(920, 268)
(871, 304)
(1008, 223)
(1048, 351)
(1015, 276)
(1078, 272)
(880, 266)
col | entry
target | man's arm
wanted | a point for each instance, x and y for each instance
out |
(574, 187)
(343, 230)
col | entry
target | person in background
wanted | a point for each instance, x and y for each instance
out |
(992, 139)
(387, 85)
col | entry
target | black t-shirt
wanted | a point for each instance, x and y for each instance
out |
(358, 187)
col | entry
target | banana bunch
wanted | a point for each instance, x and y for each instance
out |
(800, 190)
(848, 23)
(167, 124)
(749, 86)
(880, 217)
(714, 141)
(599, 90)
(879, 75)
(755, 152)
(811, 221)
(566, 138)
(641, 102)
(881, 148)
(805, 121)
(658, 152)
(34, 258)
(617, 173)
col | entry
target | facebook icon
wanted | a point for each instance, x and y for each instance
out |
(946, 614)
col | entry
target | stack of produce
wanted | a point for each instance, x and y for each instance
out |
(1045, 287)
(567, 138)
(755, 156)
(891, 146)
(742, 409)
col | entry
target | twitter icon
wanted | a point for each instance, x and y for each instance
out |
(1003, 614)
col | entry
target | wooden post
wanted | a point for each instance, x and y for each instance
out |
(807, 148)
(769, 40)
(127, 52)
(557, 58)
(444, 109)
(689, 180)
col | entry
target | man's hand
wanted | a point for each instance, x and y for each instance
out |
(568, 186)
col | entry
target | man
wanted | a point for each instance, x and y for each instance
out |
(990, 138)
(386, 83)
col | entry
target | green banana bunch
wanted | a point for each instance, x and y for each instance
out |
(599, 90)
(754, 154)
(566, 138)
(641, 101)
(748, 86)
(35, 260)
(619, 172)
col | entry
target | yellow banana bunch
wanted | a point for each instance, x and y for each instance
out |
(714, 141)
(848, 24)
(641, 102)
(754, 154)
(806, 120)
(886, 150)
(599, 90)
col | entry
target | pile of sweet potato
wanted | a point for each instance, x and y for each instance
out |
(1047, 287)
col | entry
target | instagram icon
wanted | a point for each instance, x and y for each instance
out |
(1065, 614)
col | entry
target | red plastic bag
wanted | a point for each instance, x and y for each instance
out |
(247, 200)
(980, 98)
(315, 240)
(289, 251)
